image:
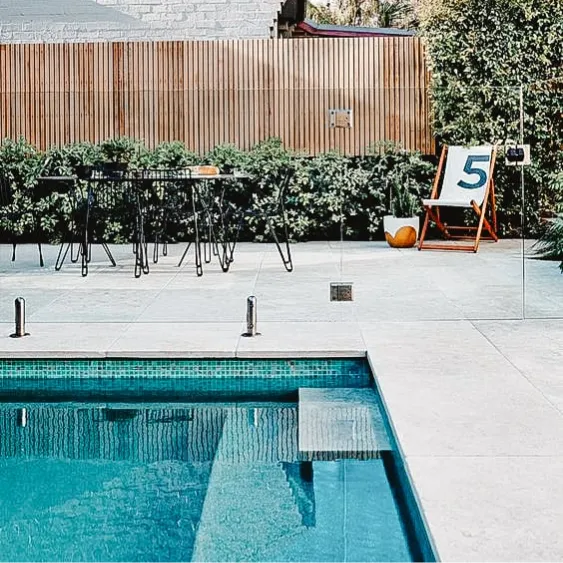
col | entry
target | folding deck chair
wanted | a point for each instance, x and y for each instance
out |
(468, 184)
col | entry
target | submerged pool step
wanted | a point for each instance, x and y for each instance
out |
(340, 423)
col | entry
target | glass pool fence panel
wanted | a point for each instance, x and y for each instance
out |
(404, 284)
(542, 182)
(334, 205)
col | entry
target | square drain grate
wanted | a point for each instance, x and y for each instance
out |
(341, 291)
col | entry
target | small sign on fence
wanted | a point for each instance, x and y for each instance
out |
(340, 118)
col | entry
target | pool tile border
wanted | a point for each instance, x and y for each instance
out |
(218, 368)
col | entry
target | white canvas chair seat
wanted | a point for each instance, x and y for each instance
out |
(467, 184)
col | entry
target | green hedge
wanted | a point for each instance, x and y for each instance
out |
(322, 190)
(479, 54)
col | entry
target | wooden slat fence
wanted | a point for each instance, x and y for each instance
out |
(210, 92)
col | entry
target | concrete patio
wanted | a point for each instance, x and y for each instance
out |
(467, 350)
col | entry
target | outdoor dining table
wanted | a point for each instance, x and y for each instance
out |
(135, 186)
(204, 194)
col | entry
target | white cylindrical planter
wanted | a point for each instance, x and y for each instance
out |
(401, 232)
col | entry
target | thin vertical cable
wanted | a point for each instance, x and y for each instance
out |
(523, 195)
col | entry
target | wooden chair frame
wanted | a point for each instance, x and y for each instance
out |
(433, 214)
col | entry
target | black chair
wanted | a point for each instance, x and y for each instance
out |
(167, 207)
(276, 209)
(110, 201)
(13, 216)
(69, 219)
(252, 203)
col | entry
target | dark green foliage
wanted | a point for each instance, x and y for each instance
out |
(322, 195)
(171, 155)
(329, 188)
(550, 245)
(122, 149)
(26, 212)
(480, 53)
(227, 158)
(405, 177)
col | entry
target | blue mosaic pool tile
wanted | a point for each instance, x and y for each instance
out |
(174, 377)
(352, 369)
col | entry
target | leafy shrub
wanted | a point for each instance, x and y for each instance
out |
(171, 155)
(550, 244)
(480, 54)
(323, 194)
(332, 192)
(25, 211)
(404, 178)
(122, 149)
(227, 158)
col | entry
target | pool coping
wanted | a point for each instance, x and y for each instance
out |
(179, 355)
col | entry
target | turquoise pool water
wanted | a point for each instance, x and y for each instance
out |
(192, 476)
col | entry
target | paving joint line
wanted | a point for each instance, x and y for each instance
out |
(522, 373)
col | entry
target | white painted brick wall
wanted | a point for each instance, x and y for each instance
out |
(139, 20)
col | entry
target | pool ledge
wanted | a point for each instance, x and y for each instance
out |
(183, 340)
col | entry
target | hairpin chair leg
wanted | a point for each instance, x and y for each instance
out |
(61, 257)
(184, 254)
(208, 250)
(86, 244)
(198, 262)
(84, 267)
(141, 247)
(288, 263)
(165, 241)
(138, 259)
(286, 258)
(74, 259)
(214, 244)
(144, 252)
(146, 256)
(84, 251)
(41, 261)
(226, 258)
(155, 250)
(108, 252)
(141, 258)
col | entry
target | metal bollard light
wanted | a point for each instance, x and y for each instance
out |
(251, 317)
(20, 318)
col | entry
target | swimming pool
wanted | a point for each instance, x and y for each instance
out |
(281, 460)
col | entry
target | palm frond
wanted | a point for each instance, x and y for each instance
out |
(393, 13)
(550, 244)
(322, 14)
